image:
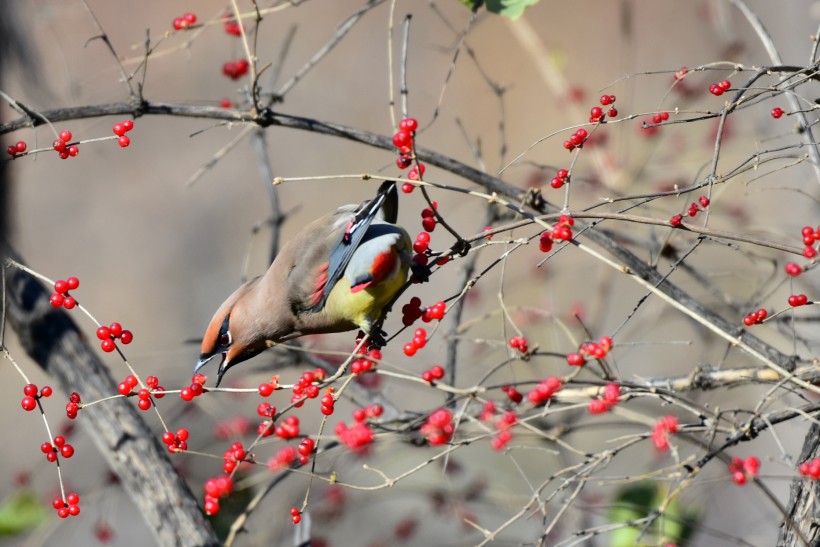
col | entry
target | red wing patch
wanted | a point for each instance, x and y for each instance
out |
(383, 265)
(319, 284)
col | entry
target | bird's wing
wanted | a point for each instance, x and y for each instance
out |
(342, 238)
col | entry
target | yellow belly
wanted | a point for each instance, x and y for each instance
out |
(364, 307)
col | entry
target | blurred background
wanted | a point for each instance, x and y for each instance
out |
(158, 253)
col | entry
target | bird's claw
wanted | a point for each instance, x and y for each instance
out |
(420, 273)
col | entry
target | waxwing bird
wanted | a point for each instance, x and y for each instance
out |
(336, 274)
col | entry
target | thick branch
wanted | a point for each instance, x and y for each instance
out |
(133, 452)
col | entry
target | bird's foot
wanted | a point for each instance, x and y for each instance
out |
(420, 273)
(377, 339)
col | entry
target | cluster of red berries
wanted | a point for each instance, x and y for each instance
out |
(609, 399)
(235, 69)
(487, 411)
(596, 113)
(433, 374)
(559, 179)
(810, 469)
(283, 458)
(438, 428)
(756, 317)
(777, 112)
(62, 147)
(810, 236)
(576, 140)
(233, 456)
(562, 230)
(295, 515)
(120, 129)
(358, 436)
(305, 387)
(176, 442)
(519, 343)
(61, 297)
(412, 311)
(798, 300)
(18, 148)
(196, 388)
(216, 488)
(328, 402)
(503, 428)
(68, 507)
(73, 405)
(127, 386)
(267, 388)
(419, 341)
(365, 363)
(29, 402)
(681, 73)
(677, 220)
(232, 27)
(719, 88)
(403, 140)
(793, 269)
(289, 429)
(660, 117)
(661, 430)
(182, 23)
(428, 219)
(544, 391)
(421, 245)
(60, 446)
(305, 449)
(111, 333)
(590, 350)
(513, 394)
(742, 469)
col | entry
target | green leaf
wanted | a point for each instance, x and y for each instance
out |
(637, 501)
(21, 512)
(508, 8)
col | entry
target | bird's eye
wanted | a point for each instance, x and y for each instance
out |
(225, 339)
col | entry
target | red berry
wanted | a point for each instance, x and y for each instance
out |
(65, 136)
(777, 112)
(119, 129)
(189, 18)
(67, 451)
(115, 329)
(59, 145)
(103, 333)
(57, 300)
(128, 125)
(725, 85)
(265, 390)
(793, 269)
(127, 337)
(108, 345)
(28, 403)
(596, 112)
(407, 188)
(11, 150)
(186, 394)
(409, 124)
(124, 141)
(144, 404)
(402, 138)
(123, 388)
(575, 359)
(46, 391)
(410, 349)
(69, 302)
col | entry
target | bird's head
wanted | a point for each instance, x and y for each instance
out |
(232, 333)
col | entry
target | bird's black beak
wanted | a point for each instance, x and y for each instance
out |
(223, 366)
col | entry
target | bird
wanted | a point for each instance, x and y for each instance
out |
(336, 274)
